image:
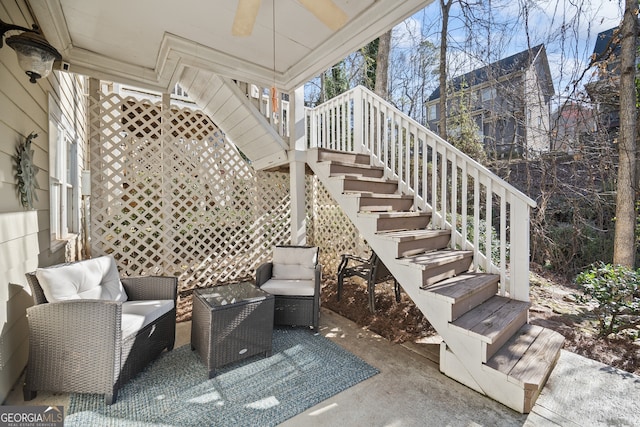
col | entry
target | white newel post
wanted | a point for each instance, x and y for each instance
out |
(519, 260)
(297, 157)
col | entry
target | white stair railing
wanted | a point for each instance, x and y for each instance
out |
(484, 213)
(260, 97)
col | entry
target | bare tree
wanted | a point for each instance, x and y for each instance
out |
(445, 7)
(382, 68)
(624, 242)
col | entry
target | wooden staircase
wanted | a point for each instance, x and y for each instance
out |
(488, 344)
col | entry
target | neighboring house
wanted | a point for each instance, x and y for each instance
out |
(508, 100)
(572, 126)
(605, 90)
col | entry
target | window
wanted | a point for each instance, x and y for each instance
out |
(488, 94)
(431, 113)
(479, 122)
(63, 176)
(179, 92)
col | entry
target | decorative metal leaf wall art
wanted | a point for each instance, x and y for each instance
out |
(26, 173)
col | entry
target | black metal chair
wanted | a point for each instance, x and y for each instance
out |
(372, 270)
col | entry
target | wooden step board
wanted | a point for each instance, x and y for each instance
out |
(493, 322)
(370, 185)
(353, 169)
(465, 292)
(396, 221)
(325, 155)
(412, 242)
(528, 358)
(370, 202)
(439, 265)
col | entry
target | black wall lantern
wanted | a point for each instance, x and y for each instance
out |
(35, 55)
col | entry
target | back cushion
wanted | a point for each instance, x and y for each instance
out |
(95, 278)
(294, 262)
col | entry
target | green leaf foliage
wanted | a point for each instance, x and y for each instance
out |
(616, 293)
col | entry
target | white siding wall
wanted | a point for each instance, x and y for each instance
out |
(24, 235)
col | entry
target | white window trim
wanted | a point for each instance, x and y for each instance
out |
(432, 112)
(64, 209)
(487, 94)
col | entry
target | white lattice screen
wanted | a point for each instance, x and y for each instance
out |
(171, 196)
(330, 229)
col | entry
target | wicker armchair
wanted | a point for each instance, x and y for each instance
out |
(294, 278)
(79, 346)
(372, 270)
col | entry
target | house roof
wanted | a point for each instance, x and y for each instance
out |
(605, 43)
(503, 67)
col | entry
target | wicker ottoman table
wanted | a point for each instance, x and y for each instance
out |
(230, 323)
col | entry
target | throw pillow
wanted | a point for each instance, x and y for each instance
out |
(95, 278)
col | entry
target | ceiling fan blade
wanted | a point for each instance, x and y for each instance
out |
(327, 12)
(245, 18)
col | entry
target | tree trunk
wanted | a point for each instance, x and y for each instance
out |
(445, 7)
(624, 240)
(382, 66)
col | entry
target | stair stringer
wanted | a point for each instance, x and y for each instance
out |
(461, 354)
(236, 116)
(437, 312)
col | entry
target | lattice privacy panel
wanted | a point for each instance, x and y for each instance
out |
(330, 229)
(170, 196)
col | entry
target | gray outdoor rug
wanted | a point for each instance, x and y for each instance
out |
(305, 369)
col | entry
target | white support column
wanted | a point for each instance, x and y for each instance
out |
(297, 157)
(93, 161)
(297, 128)
(297, 189)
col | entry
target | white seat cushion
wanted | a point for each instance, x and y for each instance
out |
(294, 262)
(138, 314)
(304, 288)
(95, 278)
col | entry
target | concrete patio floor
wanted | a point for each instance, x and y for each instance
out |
(411, 391)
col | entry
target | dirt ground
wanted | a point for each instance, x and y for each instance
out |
(552, 306)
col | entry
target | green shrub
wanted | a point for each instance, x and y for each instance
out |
(616, 293)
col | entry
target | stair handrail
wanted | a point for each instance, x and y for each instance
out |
(260, 97)
(361, 121)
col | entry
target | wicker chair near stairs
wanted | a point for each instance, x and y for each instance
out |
(372, 270)
(90, 331)
(293, 277)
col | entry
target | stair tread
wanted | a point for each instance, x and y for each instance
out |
(369, 194)
(366, 179)
(351, 165)
(396, 214)
(528, 357)
(363, 158)
(408, 235)
(489, 319)
(435, 258)
(463, 285)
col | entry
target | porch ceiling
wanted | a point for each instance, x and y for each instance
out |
(149, 42)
